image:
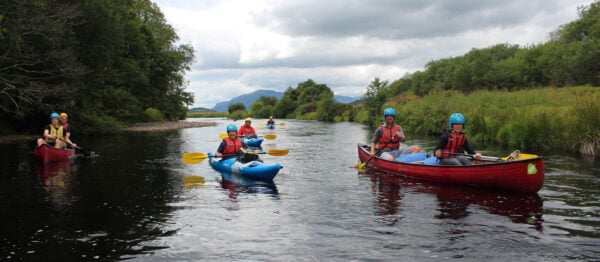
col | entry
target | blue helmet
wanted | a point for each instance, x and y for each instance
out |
(389, 112)
(457, 118)
(54, 115)
(231, 127)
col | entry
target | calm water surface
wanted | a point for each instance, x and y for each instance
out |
(138, 201)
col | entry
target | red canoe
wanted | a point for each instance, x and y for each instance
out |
(48, 153)
(525, 175)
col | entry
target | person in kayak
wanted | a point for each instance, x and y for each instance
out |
(232, 146)
(453, 143)
(53, 133)
(388, 137)
(247, 130)
(270, 121)
(68, 131)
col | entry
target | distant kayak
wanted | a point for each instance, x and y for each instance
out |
(525, 175)
(47, 153)
(271, 126)
(252, 169)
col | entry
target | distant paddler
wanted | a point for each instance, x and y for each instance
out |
(247, 130)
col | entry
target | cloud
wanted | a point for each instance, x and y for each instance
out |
(242, 46)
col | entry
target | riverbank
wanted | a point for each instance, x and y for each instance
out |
(138, 127)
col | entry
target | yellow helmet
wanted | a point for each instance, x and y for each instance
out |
(248, 119)
(63, 114)
(271, 117)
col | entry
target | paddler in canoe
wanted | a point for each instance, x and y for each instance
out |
(53, 133)
(454, 142)
(388, 136)
(64, 123)
(232, 146)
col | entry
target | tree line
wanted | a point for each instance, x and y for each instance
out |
(106, 63)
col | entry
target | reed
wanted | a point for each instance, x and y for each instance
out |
(559, 118)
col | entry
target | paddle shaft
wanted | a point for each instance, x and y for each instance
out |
(376, 153)
(484, 158)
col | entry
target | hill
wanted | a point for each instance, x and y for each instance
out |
(200, 109)
(248, 99)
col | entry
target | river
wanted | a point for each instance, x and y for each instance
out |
(137, 200)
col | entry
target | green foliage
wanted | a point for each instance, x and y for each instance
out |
(153, 115)
(100, 60)
(207, 114)
(236, 115)
(374, 99)
(301, 102)
(236, 107)
(263, 107)
(325, 107)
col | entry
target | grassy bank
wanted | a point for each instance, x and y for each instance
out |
(538, 119)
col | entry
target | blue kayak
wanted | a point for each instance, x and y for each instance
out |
(271, 126)
(252, 169)
(252, 141)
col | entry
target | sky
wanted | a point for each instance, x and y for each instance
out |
(245, 45)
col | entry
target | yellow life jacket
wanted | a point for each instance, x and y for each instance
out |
(55, 131)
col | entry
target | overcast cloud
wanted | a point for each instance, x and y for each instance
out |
(243, 45)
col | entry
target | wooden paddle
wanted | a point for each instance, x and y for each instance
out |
(269, 137)
(194, 158)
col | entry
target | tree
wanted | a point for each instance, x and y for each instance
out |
(374, 99)
(236, 107)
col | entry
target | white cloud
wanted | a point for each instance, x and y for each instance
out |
(242, 46)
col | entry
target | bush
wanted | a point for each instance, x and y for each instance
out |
(152, 115)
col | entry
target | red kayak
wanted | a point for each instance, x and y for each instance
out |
(47, 153)
(525, 175)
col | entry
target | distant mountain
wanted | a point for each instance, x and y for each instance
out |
(248, 99)
(344, 99)
(200, 109)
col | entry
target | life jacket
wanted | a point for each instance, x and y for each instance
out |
(232, 146)
(244, 131)
(65, 126)
(387, 134)
(454, 145)
(55, 131)
(270, 122)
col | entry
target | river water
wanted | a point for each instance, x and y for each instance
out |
(137, 200)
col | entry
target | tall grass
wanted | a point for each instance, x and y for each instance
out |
(207, 114)
(559, 118)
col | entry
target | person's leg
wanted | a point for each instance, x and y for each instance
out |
(40, 141)
(464, 161)
(450, 161)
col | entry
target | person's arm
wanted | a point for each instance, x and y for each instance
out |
(376, 136)
(467, 148)
(400, 134)
(46, 133)
(443, 141)
(222, 146)
(253, 130)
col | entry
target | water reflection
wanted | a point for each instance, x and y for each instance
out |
(455, 201)
(55, 178)
(236, 184)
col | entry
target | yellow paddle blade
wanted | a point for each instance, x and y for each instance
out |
(282, 124)
(270, 137)
(277, 152)
(360, 166)
(193, 158)
(523, 156)
(222, 136)
(193, 180)
(261, 124)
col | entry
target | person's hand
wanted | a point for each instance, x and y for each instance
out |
(438, 153)
(478, 156)
(73, 144)
(400, 136)
(218, 154)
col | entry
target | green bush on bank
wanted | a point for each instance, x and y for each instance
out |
(537, 119)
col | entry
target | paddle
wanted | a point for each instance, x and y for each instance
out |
(194, 158)
(363, 165)
(492, 158)
(270, 137)
(84, 151)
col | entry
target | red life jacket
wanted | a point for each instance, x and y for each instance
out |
(386, 136)
(454, 144)
(231, 147)
(244, 131)
(270, 122)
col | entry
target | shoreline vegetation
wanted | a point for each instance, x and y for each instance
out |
(133, 128)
